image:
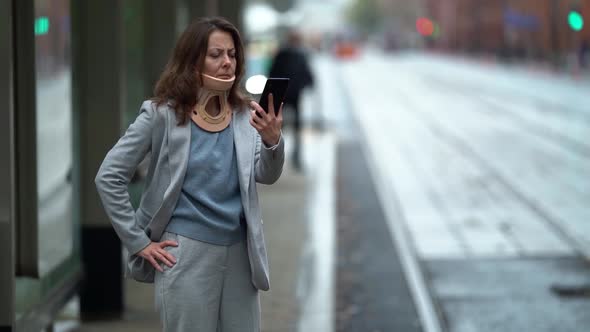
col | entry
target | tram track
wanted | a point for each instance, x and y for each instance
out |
(465, 149)
(544, 132)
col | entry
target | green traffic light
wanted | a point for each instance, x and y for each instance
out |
(41, 26)
(575, 20)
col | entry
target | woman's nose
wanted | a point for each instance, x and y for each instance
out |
(226, 60)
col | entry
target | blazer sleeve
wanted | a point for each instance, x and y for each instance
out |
(268, 162)
(116, 172)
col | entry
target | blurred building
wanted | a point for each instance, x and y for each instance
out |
(399, 25)
(510, 28)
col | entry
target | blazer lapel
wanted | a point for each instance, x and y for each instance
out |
(179, 138)
(244, 144)
(178, 149)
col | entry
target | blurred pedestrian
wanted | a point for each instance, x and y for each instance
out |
(197, 232)
(291, 62)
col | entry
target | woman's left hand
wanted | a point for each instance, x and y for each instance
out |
(267, 124)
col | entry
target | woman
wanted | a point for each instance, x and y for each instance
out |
(197, 232)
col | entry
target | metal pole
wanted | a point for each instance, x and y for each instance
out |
(7, 184)
(553, 12)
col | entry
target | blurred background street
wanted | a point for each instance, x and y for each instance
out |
(440, 181)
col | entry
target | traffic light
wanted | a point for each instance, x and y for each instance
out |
(425, 26)
(575, 20)
(41, 25)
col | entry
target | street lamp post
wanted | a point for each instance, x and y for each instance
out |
(553, 12)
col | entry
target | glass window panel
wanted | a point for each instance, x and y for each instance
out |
(54, 132)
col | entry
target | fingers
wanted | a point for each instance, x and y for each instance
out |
(147, 254)
(254, 121)
(268, 125)
(271, 105)
(257, 108)
(156, 254)
(165, 257)
(155, 264)
(258, 117)
(280, 114)
(168, 243)
(262, 113)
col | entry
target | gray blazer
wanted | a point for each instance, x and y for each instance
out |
(156, 131)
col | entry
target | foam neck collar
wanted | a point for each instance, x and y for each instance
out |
(215, 88)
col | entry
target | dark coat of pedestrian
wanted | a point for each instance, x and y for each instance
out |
(291, 62)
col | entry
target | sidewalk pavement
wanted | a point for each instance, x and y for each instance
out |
(286, 213)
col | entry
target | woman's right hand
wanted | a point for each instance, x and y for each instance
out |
(155, 252)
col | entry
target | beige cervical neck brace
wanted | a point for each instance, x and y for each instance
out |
(213, 87)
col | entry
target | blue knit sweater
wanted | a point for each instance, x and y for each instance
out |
(209, 208)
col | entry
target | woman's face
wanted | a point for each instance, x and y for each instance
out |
(220, 60)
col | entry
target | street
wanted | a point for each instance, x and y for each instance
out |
(482, 171)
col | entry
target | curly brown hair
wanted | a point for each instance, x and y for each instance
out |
(179, 83)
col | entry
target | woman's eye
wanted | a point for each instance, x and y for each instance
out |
(232, 55)
(216, 55)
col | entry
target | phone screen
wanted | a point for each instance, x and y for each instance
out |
(278, 88)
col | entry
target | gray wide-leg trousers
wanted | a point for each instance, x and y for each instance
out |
(209, 289)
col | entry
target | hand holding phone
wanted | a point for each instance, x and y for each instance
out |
(267, 125)
(278, 88)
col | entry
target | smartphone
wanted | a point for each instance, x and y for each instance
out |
(278, 87)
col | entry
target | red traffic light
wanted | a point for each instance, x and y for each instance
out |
(424, 26)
